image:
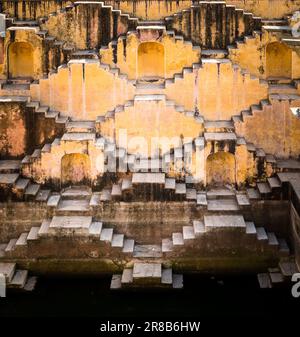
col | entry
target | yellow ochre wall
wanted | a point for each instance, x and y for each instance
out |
(177, 54)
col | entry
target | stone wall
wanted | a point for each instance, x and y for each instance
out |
(275, 128)
(145, 222)
(14, 127)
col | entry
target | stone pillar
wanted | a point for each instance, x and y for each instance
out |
(200, 174)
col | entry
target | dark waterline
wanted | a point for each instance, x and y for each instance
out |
(202, 297)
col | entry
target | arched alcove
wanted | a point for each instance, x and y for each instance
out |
(220, 168)
(75, 169)
(20, 60)
(151, 60)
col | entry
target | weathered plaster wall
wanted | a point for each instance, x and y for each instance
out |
(13, 129)
(159, 220)
(275, 129)
(29, 9)
(146, 121)
(267, 8)
(23, 63)
(177, 54)
(257, 56)
(50, 167)
(82, 90)
(150, 10)
(218, 90)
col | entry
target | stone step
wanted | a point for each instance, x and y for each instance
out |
(11, 245)
(264, 188)
(261, 234)
(201, 199)
(126, 184)
(116, 191)
(283, 247)
(32, 190)
(74, 205)
(77, 192)
(218, 126)
(147, 272)
(170, 184)
(19, 279)
(272, 239)
(177, 239)
(8, 270)
(242, 199)
(80, 126)
(22, 184)
(288, 267)
(30, 283)
(199, 227)
(220, 193)
(95, 228)
(117, 240)
(282, 89)
(180, 188)
(250, 228)
(222, 205)
(253, 194)
(33, 234)
(22, 240)
(177, 281)
(69, 224)
(53, 200)
(274, 182)
(105, 195)
(224, 221)
(10, 166)
(219, 136)
(188, 233)
(128, 246)
(95, 199)
(264, 281)
(167, 245)
(116, 282)
(148, 178)
(43, 195)
(147, 251)
(191, 194)
(106, 234)
(276, 278)
(8, 178)
(127, 276)
(167, 276)
(43, 230)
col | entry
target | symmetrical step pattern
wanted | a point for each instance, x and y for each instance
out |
(146, 275)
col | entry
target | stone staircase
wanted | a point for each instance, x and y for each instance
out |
(144, 275)
(194, 238)
(55, 236)
(14, 185)
(280, 275)
(16, 278)
(237, 23)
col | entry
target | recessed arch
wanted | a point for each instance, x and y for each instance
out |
(278, 60)
(220, 168)
(20, 60)
(75, 169)
(151, 60)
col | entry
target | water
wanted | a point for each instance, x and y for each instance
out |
(202, 297)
